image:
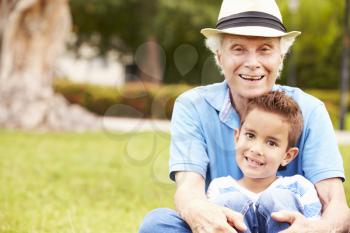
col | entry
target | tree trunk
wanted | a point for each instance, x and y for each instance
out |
(32, 35)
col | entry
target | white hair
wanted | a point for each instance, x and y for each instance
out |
(214, 44)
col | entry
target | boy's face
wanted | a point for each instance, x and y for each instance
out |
(261, 145)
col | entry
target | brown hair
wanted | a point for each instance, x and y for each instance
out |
(278, 102)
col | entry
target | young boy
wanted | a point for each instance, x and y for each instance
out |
(265, 143)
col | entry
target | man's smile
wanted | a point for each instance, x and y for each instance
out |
(251, 77)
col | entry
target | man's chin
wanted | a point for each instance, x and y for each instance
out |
(255, 93)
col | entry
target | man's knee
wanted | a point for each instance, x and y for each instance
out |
(160, 220)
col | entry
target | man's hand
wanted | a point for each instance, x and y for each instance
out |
(299, 224)
(201, 215)
(205, 217)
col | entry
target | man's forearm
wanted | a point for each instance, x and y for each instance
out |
(337, 217)
(335, 211)
(189, 187)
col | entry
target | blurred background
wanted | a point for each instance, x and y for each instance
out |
(133, 49)
(68, 67)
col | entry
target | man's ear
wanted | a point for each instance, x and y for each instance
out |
(290, 154)
(218, 57)
(236, 135)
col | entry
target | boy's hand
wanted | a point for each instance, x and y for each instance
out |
(205, 217)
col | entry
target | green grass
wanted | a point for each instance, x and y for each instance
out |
(93, 183)
(59, 182)
(345, 151)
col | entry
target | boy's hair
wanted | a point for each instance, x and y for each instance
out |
(283, 105)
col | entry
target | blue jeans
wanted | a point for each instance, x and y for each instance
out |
(164, 220)
(257, 220)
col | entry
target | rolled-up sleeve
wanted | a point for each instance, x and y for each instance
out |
(188, 150)
(321, 156)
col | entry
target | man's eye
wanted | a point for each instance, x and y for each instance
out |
(266, 49)
(237, 49)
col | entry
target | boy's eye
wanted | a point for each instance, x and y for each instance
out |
(271, 143)
(249, 135)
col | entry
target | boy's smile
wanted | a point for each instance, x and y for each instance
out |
(261, 146)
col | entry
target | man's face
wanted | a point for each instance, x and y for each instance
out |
(250, 64)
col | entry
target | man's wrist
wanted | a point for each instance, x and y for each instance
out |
(325, 226)
(187, 210)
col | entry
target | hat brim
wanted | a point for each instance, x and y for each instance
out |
(250, 31)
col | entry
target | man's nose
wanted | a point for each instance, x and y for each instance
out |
(252, 61)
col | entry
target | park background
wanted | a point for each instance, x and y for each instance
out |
(63, 167)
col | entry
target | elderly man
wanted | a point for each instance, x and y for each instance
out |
(249, 44)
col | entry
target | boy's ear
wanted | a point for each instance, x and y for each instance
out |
(236, 135)
(290, 154)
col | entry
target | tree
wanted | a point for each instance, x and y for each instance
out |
(32, 34)
(126, 25)
(317, 50)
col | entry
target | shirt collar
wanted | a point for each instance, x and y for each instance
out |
(215, 94)
(218, 96)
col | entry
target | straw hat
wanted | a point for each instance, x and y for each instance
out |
(250, 18)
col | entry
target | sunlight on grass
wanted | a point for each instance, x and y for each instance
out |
(81, 183)
(97, 182)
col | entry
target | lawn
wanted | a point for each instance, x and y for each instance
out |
(93, 183)
(81, 182)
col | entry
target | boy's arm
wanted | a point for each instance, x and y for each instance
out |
(335, 212)
(201, 215)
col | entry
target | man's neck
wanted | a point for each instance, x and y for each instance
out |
(239, 103)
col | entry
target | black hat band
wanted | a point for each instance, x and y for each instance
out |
(251, 18)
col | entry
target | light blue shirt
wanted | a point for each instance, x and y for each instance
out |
(202, 134)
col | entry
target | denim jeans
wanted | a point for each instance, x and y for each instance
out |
(164, 220)
(257, 219)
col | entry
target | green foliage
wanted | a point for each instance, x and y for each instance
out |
(317, 51)
(140, 100)
(112, 24)
(95, 182)
(154, 101)
(331, 98)
(125, 25)
(95, 98)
